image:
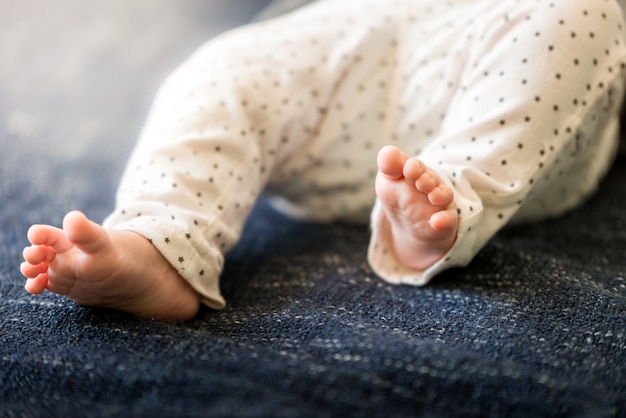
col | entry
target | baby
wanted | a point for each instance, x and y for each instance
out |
(441, 122)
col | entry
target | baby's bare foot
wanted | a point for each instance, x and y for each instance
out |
(418, 207)
(106, 268)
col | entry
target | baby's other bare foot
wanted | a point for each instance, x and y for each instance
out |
(418, 207)
(106, 268)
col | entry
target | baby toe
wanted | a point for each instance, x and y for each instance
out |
(391, 161)
(441, 195)
(412, 170)
(444, 220)
(37, 285)
(427, 182)
(36, 254)
(32, 270)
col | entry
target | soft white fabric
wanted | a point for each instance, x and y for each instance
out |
(515, 104)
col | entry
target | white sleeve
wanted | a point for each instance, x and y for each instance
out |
(531, 129)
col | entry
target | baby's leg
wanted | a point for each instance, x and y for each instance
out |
(220, 125)
(106, 268)
(418, 207)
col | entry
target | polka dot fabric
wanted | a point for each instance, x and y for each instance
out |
(514, 103)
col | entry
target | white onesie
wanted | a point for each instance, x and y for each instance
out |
(514, 103)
